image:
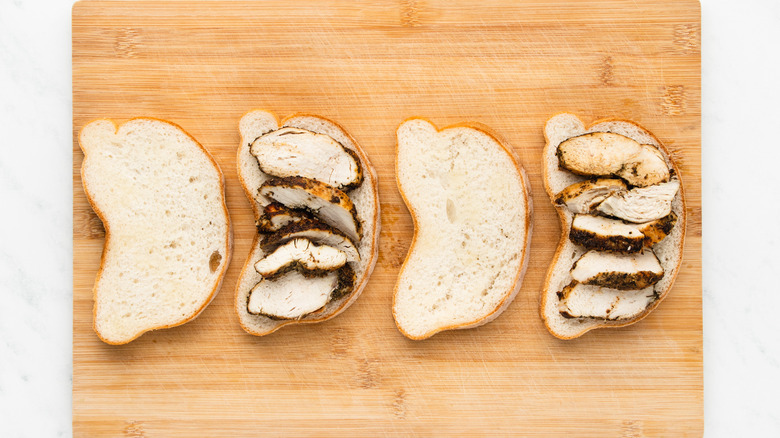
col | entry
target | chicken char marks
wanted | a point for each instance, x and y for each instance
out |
(607, 153)
(298, 152)
(328, 204)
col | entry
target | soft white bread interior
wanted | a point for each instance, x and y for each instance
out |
(161, 198)
(471, 207)
(669, 251)
(365, 199)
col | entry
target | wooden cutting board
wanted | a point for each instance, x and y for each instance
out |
(507, 64)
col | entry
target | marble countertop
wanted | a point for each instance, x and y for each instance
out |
(740, 70)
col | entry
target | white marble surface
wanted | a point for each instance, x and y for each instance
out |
(741, 70)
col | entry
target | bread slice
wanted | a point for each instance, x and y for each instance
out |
(365, 199)
(161, 198)
(669, 251)
(470, 202)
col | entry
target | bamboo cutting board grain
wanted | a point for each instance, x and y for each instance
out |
(507, 64)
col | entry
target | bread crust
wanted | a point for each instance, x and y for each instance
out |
(107, 226)
(517, 283)
(360, 281)
(564, 214)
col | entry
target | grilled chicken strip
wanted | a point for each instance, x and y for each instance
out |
(604, 234)
(299, 152)
(642, 204)
(657, 230)
(316, 232)
(586, 301)
(618, 271)
(607, 153)
(294, 295)
(329, 204)
(301, 253)
(583, 197)
(275, 216)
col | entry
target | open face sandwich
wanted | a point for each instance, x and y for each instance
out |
(315, 200)
(621, 205)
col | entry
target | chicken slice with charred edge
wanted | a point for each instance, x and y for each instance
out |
(586, 301)
(275, 216)
(329, 204)
(316, 232)
(657, 230)
(646, 168)
(604, 234)
(294, 295)
(301, 253)
(299, 152)
(583, 197)
(618, 271)
(607, 153)
(642, 204)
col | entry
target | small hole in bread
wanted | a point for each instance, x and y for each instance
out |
(214, 261)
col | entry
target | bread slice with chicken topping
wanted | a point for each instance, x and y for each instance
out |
(362, 253)
(470, 202)
(671, 228)
(161, 197)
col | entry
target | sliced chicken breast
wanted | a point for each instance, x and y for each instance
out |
(583, 197)
(316, 232)
(586, 301)
(657, 230)
(275, 216)
(604, 234)
(299, 152)
(329, 204)
(617, 270)
(294, 295)
(301, 253)
(645, 169)
(642, 204)
(607, 153)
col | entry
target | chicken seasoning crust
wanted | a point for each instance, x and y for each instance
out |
(622, 211)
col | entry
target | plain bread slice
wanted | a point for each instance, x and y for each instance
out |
(469, 200)
(161, 198)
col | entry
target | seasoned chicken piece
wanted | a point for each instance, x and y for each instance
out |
(330, 205)
(604, 234)
(298, 152)
(301, 253)
(657, 230)
(583, 197)
(316, 232)
(642, 204)
(276, 216)
(645, 169)
(607, 153)
(294, 295)
(586, 301)
(618, 271)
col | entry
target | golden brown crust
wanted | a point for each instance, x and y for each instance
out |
(528, 215)
(562, 216)
(106, 225)
(360, 282)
